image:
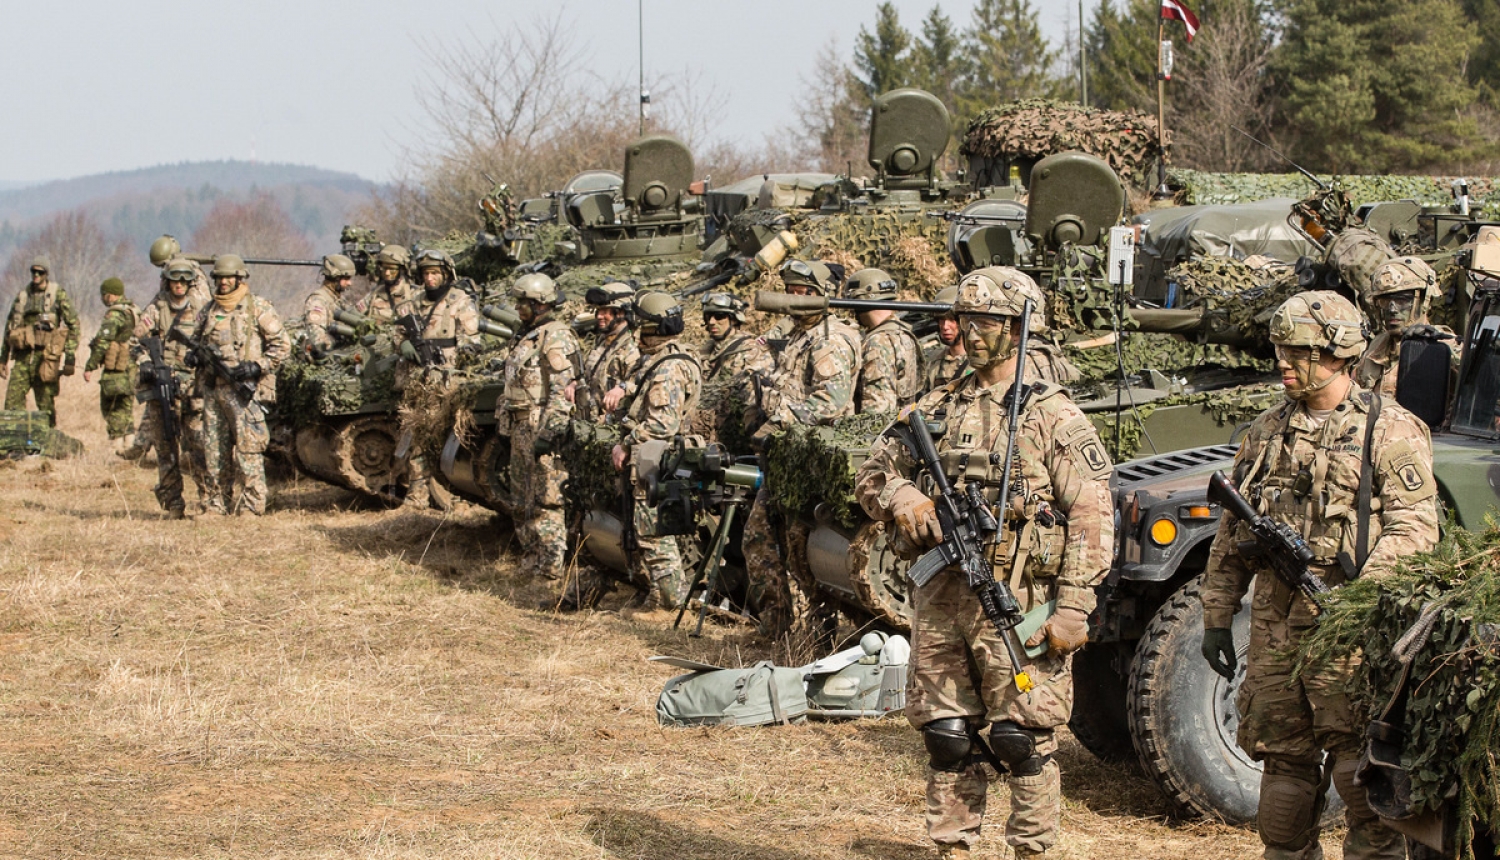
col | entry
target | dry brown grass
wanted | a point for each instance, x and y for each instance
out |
(326, 682)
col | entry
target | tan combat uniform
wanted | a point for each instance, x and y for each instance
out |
(317, 316)
(1306, 473)
(382, 303)
(890, 373)
(607, 365)
(157, 319)
(1379, 367)
(959, 667)
(447, 322)
(730, 364)
(943, 367)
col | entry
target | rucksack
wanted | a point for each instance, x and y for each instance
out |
(712, 696)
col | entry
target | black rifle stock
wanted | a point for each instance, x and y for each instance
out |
(210, 359)
(1287, 553)
(163, 390)
(428, 353)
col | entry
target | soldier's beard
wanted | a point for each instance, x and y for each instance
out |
(987, 348)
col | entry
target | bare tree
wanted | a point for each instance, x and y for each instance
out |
(1221, 84)
(82, 256)
(261, 228)
(832, 118)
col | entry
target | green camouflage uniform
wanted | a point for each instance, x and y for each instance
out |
(157, 319)
(813, 384)
(25, 344)
(234, 424)
(891, 372)
(1287, 723)
(382, 303)
(667, 381)
(535, 406)
(943, 367)
(959, 668)
(110, 349)
(317, 316)
(609, 363)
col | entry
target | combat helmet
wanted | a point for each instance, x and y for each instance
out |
(823, 277)
(1403, 274)
(179, 269)
(613, 294)
(1321, 320)
(725, 303)
(230, 266)
(337, 266)
(1000, 291)
(659, 313)
(870, 284)
(538, 288)
(393, 255)
(164, 249)
(432, 258)
(40, 262)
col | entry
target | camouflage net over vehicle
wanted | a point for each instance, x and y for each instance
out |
(911, 247)
(592, 481)
(307, 391)
(1036, 128)
(23, 433)
(1243, 295)
(431, 408)
(1199, 187)
(720, 416)
(809, 466)
(1452, 723)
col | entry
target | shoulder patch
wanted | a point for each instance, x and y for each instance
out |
(1081, 442)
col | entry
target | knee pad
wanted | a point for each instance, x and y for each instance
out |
(1355, 797)
(1291, 802)
(1016, 747)
(948, 744)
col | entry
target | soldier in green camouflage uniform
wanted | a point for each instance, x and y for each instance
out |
(1301, 464)
(614, 354)
(176, 306)
(666, 382)
(392, 289)
(244, 332)
(947, 361)
(534, 412)
(890, 372)
(41, 335)
(1400, 292)
(813, 384)
(1059, 537)
(318, 308)
(110, 350)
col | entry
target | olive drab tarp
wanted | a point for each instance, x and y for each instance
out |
(1239, 230)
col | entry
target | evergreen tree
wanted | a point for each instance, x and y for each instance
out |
(1010, 59)
(882, 60)
(937, 59)
(1484, 65)
(1121, 42)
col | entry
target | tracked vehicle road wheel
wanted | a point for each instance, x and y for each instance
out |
(1183, 718)
(879, 578)
(357, 454)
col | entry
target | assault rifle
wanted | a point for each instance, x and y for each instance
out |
(429, 354)
(162, 389)
(780, 303)
(206, 357)
(1280, 545)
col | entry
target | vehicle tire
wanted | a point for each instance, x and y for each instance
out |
(1183, 718)
(1101, 674)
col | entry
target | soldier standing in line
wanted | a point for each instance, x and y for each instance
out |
(176, 306)
(890, 372)
(615, 350)
(1059, 537)
(318, 307)
(1044, 359)
(813, 383)
(1401, 291)
(109, 351)
(392, 289)
(1303, 463)
(41, 335)
(534, 412)
(731, 360)
(242, 343)
(947, 361)
(667, 381)
(165, 252)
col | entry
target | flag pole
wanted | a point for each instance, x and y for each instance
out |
(1161, 110)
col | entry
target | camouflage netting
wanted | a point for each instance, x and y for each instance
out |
(1036, 128)
(1452, 723)
(1166, 353)
(431, 407)
(721, 416)
(811, 466)
(1199, 187)
(1229, 408)
(912, 248)
(592, 480)
(23, 433)
(1243, 295)
(308, 390)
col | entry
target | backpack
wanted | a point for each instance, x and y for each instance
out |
(711, 696)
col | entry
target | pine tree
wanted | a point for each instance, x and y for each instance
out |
(1121, 44)
(937, 59)
(882, 60)
(1010, 59)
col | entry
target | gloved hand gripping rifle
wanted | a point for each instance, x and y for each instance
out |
(206, 357)
(1287, 553)
(429, 354)
(162, 389)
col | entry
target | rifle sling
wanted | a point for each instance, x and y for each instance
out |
(1366, 477)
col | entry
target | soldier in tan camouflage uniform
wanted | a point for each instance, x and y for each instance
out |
(947, 361)
(1400, 292)
(176, 306)
(666, 382)
(534, 412)
(890, 372)
(614, 354)
(167, 250)
(245, 334)
(1301, 464)
(392, 289)
(41, 334)
(318, 308)
(731, 361)
(109, 352)
(1059, 538)
(813, 384)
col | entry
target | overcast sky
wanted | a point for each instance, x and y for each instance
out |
(91, 87)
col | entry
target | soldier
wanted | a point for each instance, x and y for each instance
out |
(890, 372)
(110, 351)
(615, 351)
(318, 308)
(948, 361)
(1043, 358)
(240, 343)
(176, 306)
(534, 412)
(1060, 534)
(444, 318)
(667, 381)
(392, 289)
(732, 361)
(41, 334)
(813, 383)
(1400, 292)
(1304, 463)
(168, 250)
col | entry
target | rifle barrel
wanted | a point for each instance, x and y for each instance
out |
(775, 302)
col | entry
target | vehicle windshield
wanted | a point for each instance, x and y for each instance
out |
(1475, 409)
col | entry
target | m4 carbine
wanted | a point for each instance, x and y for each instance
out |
(1287, 553)
(161, 386)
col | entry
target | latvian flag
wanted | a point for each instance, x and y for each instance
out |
(1176, 10)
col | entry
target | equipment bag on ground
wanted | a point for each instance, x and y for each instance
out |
(708, 695)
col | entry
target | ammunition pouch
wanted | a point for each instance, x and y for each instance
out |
(21, 338)
(116, 385)
(50, 370)
(116, 357)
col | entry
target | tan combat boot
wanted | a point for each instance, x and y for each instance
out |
(953, 851)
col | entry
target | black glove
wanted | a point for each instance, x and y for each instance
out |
(148, 375)
(540, 446)
(1218, 650)
(246, 371)
(190, 360)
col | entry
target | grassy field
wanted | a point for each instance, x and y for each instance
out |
(335, 681)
